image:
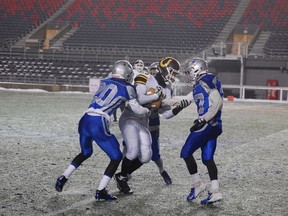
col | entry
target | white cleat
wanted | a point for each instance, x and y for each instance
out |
(195, 191)
(212, 198)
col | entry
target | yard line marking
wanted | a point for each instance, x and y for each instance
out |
(73, 206)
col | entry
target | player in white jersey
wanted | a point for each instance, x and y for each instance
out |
(167, 84)
(94, 125)
(135, 131)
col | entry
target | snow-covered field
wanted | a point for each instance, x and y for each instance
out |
(38, 139)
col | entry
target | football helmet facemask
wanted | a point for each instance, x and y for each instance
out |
(139, 65)
(153, 68)
(195, 67)
(122, 69)
(145, 70)
(169, 69)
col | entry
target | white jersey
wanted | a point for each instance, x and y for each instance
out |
(143, 82)
(135, 127)
(136, 73)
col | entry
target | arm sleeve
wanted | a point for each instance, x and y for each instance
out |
(169, 104)
(167, 114)
(141, 94)
(134, 105)
(189, 97)
(137, 108)
(175, 101)
(215, 102)
(131, 92)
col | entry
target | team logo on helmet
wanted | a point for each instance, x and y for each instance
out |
(169, 69)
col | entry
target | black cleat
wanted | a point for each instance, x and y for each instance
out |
(60, 183)
(166, 177)
(102, 195)
(122, 184)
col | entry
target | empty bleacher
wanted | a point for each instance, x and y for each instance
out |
(59, 72)
(272, 16)
(154, 23)
(108, 29)
(17, 18)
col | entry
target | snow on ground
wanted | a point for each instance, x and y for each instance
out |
(38, 139)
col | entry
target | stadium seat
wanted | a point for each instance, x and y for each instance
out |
(16, 20)
(155, 23)
(270, 16)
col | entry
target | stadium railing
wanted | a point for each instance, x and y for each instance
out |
(260, 93)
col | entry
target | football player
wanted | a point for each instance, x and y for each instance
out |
(138, 67)
(135, 131)
(166, 78)
(208, 97)
(94, 125)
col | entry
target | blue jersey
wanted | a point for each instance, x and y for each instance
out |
(208, 96)
(201, 91)
(111, 94)
(94, 124)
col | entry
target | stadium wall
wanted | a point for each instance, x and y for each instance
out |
(256, 72)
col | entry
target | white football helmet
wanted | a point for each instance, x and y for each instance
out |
(122, 69)
(195, 67)
(145, 70)
(169, 69)
(153, 68)
(139, 65)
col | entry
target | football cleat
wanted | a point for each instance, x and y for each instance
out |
(102, 195)
(195, 191)
(166, 177)
(212, 198)
(60, 183)
(122, 184)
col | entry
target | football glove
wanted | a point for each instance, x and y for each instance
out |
(184, 103)
(198, 124)
(176, 110)
(158, 91)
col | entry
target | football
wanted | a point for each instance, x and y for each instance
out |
(154, 104)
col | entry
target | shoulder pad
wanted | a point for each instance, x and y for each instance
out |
(141, 79)
(131, 92)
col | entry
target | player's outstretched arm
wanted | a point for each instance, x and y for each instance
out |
(175, 101)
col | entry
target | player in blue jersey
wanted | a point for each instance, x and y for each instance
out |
(94, 125)
(208, 97)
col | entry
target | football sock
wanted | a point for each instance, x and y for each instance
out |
(196, 180)
(191, 164)
(212, 169)
(126, 164)
(112, 168)
(136, 164)
(68, 172)
(214, 185)
(104, 182)
(159, 164)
